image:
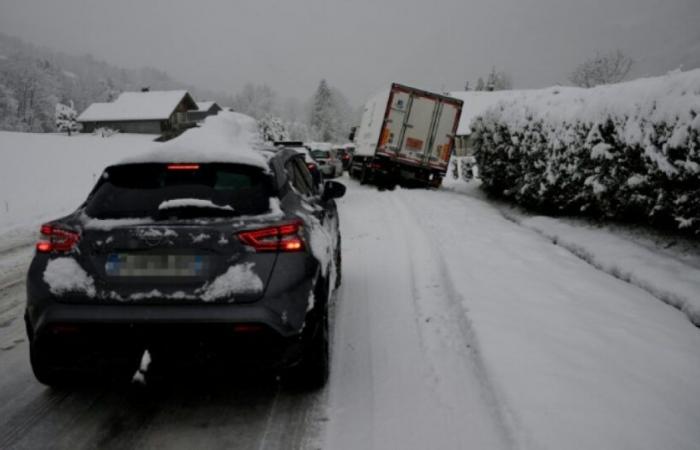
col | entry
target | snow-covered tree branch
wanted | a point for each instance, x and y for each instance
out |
(605, 68)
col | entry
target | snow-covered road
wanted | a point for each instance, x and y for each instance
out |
(454, 328)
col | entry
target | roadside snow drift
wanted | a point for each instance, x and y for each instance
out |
(666, 278)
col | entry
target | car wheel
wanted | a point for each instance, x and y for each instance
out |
(43, 370)
(338, 264)
(312, 372)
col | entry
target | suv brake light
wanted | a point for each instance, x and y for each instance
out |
(56, 239)
(282, 238)
(183, 166)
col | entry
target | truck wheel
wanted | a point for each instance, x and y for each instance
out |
(364, 176)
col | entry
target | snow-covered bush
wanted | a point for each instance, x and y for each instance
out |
(629, 151)
(273, 129)
(66, 118)
(104, 132)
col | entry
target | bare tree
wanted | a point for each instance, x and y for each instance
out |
(498, 81)
(605, 68)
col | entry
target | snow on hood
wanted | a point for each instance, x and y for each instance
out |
(65, 275)
(227, 137)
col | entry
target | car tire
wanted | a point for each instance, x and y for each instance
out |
(312, 372)
(43, 370)
(338, 264)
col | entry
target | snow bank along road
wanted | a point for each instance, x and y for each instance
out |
(454, 328)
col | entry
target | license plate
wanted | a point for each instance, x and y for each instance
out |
(138, 265)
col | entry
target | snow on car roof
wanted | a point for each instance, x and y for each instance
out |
(319, 145)
(228, 137)
(152, 105)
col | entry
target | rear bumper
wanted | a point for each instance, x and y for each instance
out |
(91, 345)
(282, 308)
(146, 315)
(179, 336)
(327, 169)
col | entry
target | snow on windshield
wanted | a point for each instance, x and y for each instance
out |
(227, 137)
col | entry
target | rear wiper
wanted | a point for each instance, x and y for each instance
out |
(191, 212)
(194, 207)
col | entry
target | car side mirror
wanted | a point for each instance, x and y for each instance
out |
(333, 189)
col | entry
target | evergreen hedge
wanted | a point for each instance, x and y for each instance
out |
(627, 152)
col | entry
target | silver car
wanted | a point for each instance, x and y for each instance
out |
(329, 163)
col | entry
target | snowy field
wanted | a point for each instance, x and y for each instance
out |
(43, 176)
(455, 327)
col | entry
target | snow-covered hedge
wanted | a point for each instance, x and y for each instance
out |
(628, 151)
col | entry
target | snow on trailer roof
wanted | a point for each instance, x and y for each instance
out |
(151, 105)
(228, 137)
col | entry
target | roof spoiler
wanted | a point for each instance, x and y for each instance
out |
(288, 144)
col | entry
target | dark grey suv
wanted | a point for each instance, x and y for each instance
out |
(226, 262)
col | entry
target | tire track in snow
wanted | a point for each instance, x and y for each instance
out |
(441, 284)
(19, 424)
(399, 389)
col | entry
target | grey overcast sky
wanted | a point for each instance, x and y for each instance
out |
(361, 45)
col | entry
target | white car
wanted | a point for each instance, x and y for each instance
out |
(329, 163)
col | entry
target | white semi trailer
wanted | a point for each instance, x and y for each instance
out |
(406, 136)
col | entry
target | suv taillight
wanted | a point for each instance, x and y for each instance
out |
(56, 240)
(283, 238)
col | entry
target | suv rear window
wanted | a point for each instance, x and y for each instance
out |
(320, 154)
(203, 190)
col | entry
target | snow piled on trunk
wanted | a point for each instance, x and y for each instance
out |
(239, 279)
(64, 275)
(227, 137)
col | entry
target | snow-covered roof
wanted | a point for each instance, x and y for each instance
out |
(227, 137)
(151, 105)
(205, 106)
(476, 103)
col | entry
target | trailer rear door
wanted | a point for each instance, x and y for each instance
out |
(443, 139)
(416, 138)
